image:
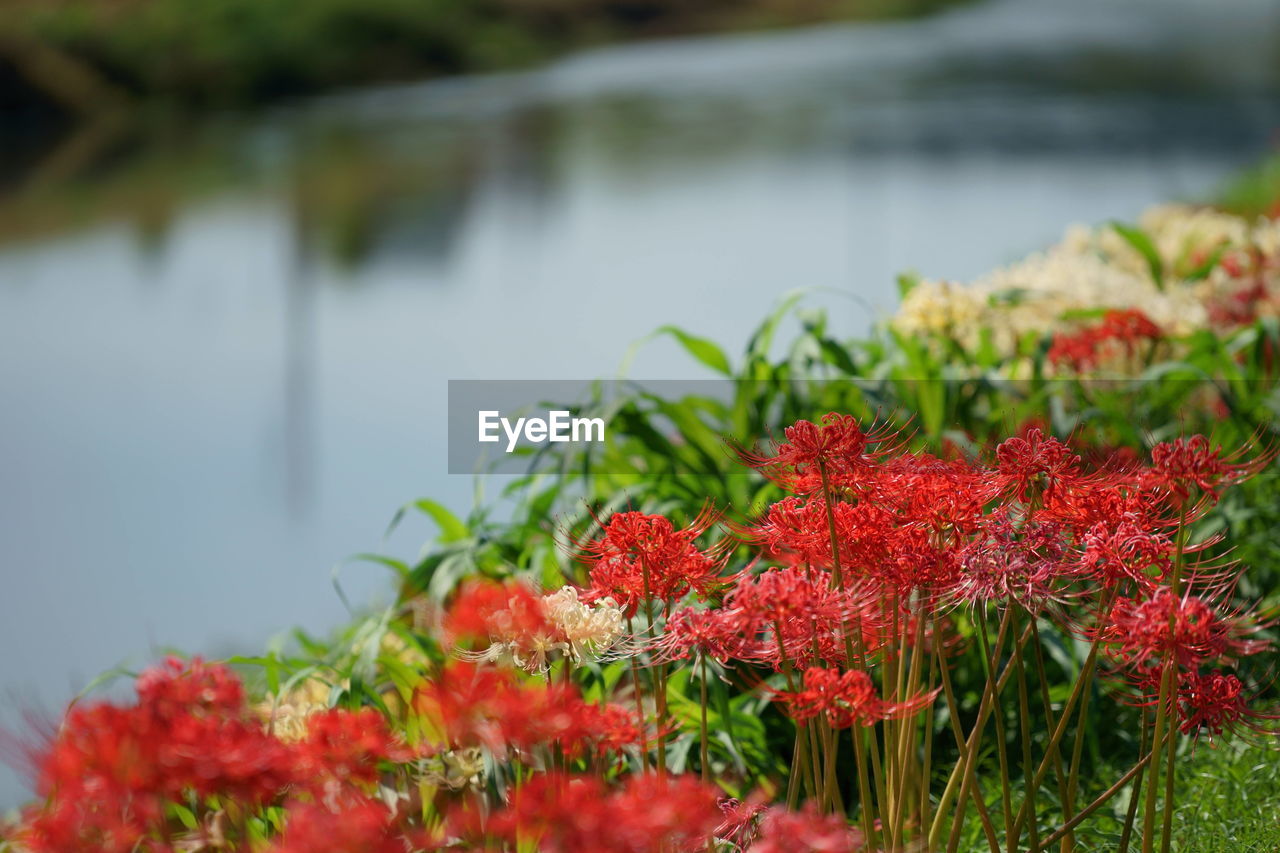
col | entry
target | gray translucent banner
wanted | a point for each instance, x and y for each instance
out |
(695, 426)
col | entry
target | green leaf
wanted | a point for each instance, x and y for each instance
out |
(184, 815)
(1141, 242)
(1201, 272)
(906, 283)
(700, 348)
(452, 529)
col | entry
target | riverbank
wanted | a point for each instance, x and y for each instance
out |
(87, 56)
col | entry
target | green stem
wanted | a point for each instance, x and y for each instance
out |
(1083, 680)
(1135, 796)
(978, 798)
(803, 761)
(1042, 675)
(639, 694)
(1096, 804)
(1167, 699)
(1073, 774)
(703, 752)
(926, 764)
(997, 715)
(1024, 725)
(865, 804)
(970, 755)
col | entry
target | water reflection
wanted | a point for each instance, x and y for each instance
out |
(223, 345)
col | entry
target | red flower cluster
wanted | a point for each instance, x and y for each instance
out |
(490, 707)
(861, 569)
(569, 814)
(1121, 333)
(847, 699)
(1162, 627)
(809, 830)
(872, 555)
(346, 747)
(362, 825)
(1188, 464)
(501, 622)
(109, 772)
(778, 618)
(644, 557)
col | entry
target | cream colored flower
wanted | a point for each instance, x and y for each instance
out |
(574, 629)
(286, 715)
(1095, 269)
(455, 769)
(590, 631)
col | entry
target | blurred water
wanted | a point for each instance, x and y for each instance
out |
(224, 348)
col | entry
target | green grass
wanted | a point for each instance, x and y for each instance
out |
(1229, 800)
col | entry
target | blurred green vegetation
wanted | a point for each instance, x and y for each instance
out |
(202, 52)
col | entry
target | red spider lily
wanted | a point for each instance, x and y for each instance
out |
(346, 747)
(782, 595)
(1106, 497)
(804, 620)
(1129, 325)
(741, 822)
(610, 728)
(847, 698)
(944, 496)
(1216, 702)
(915, 562)
(485, 706)
(1075, 350)
(1126, 551)
(506, 621)
(177, 688)
(362, 825)
(108, 771)
(1027, 564)
(1240, 307)
(796, 531)
(718, 634)
(1185, 629)
(568, 814)
(1121, 332)
(1187, 463)
(807, 830)
(644, 557)
(838, 447)
(1032, 465)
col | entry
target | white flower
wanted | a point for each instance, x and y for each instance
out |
(589, 630)
(1096, 269)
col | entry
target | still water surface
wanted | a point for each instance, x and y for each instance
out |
(223, 351)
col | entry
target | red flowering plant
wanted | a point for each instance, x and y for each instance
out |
(189, 766)
(879, 552)
(847, 619)
(1125, 337)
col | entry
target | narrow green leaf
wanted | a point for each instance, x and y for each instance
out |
(702, 349)
(1141, 242)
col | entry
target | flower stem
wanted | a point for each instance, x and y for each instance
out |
(998, 717)
(1135, 796)
(703, 752)
(979, 800)
(1024, 725)
(1096, 804)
